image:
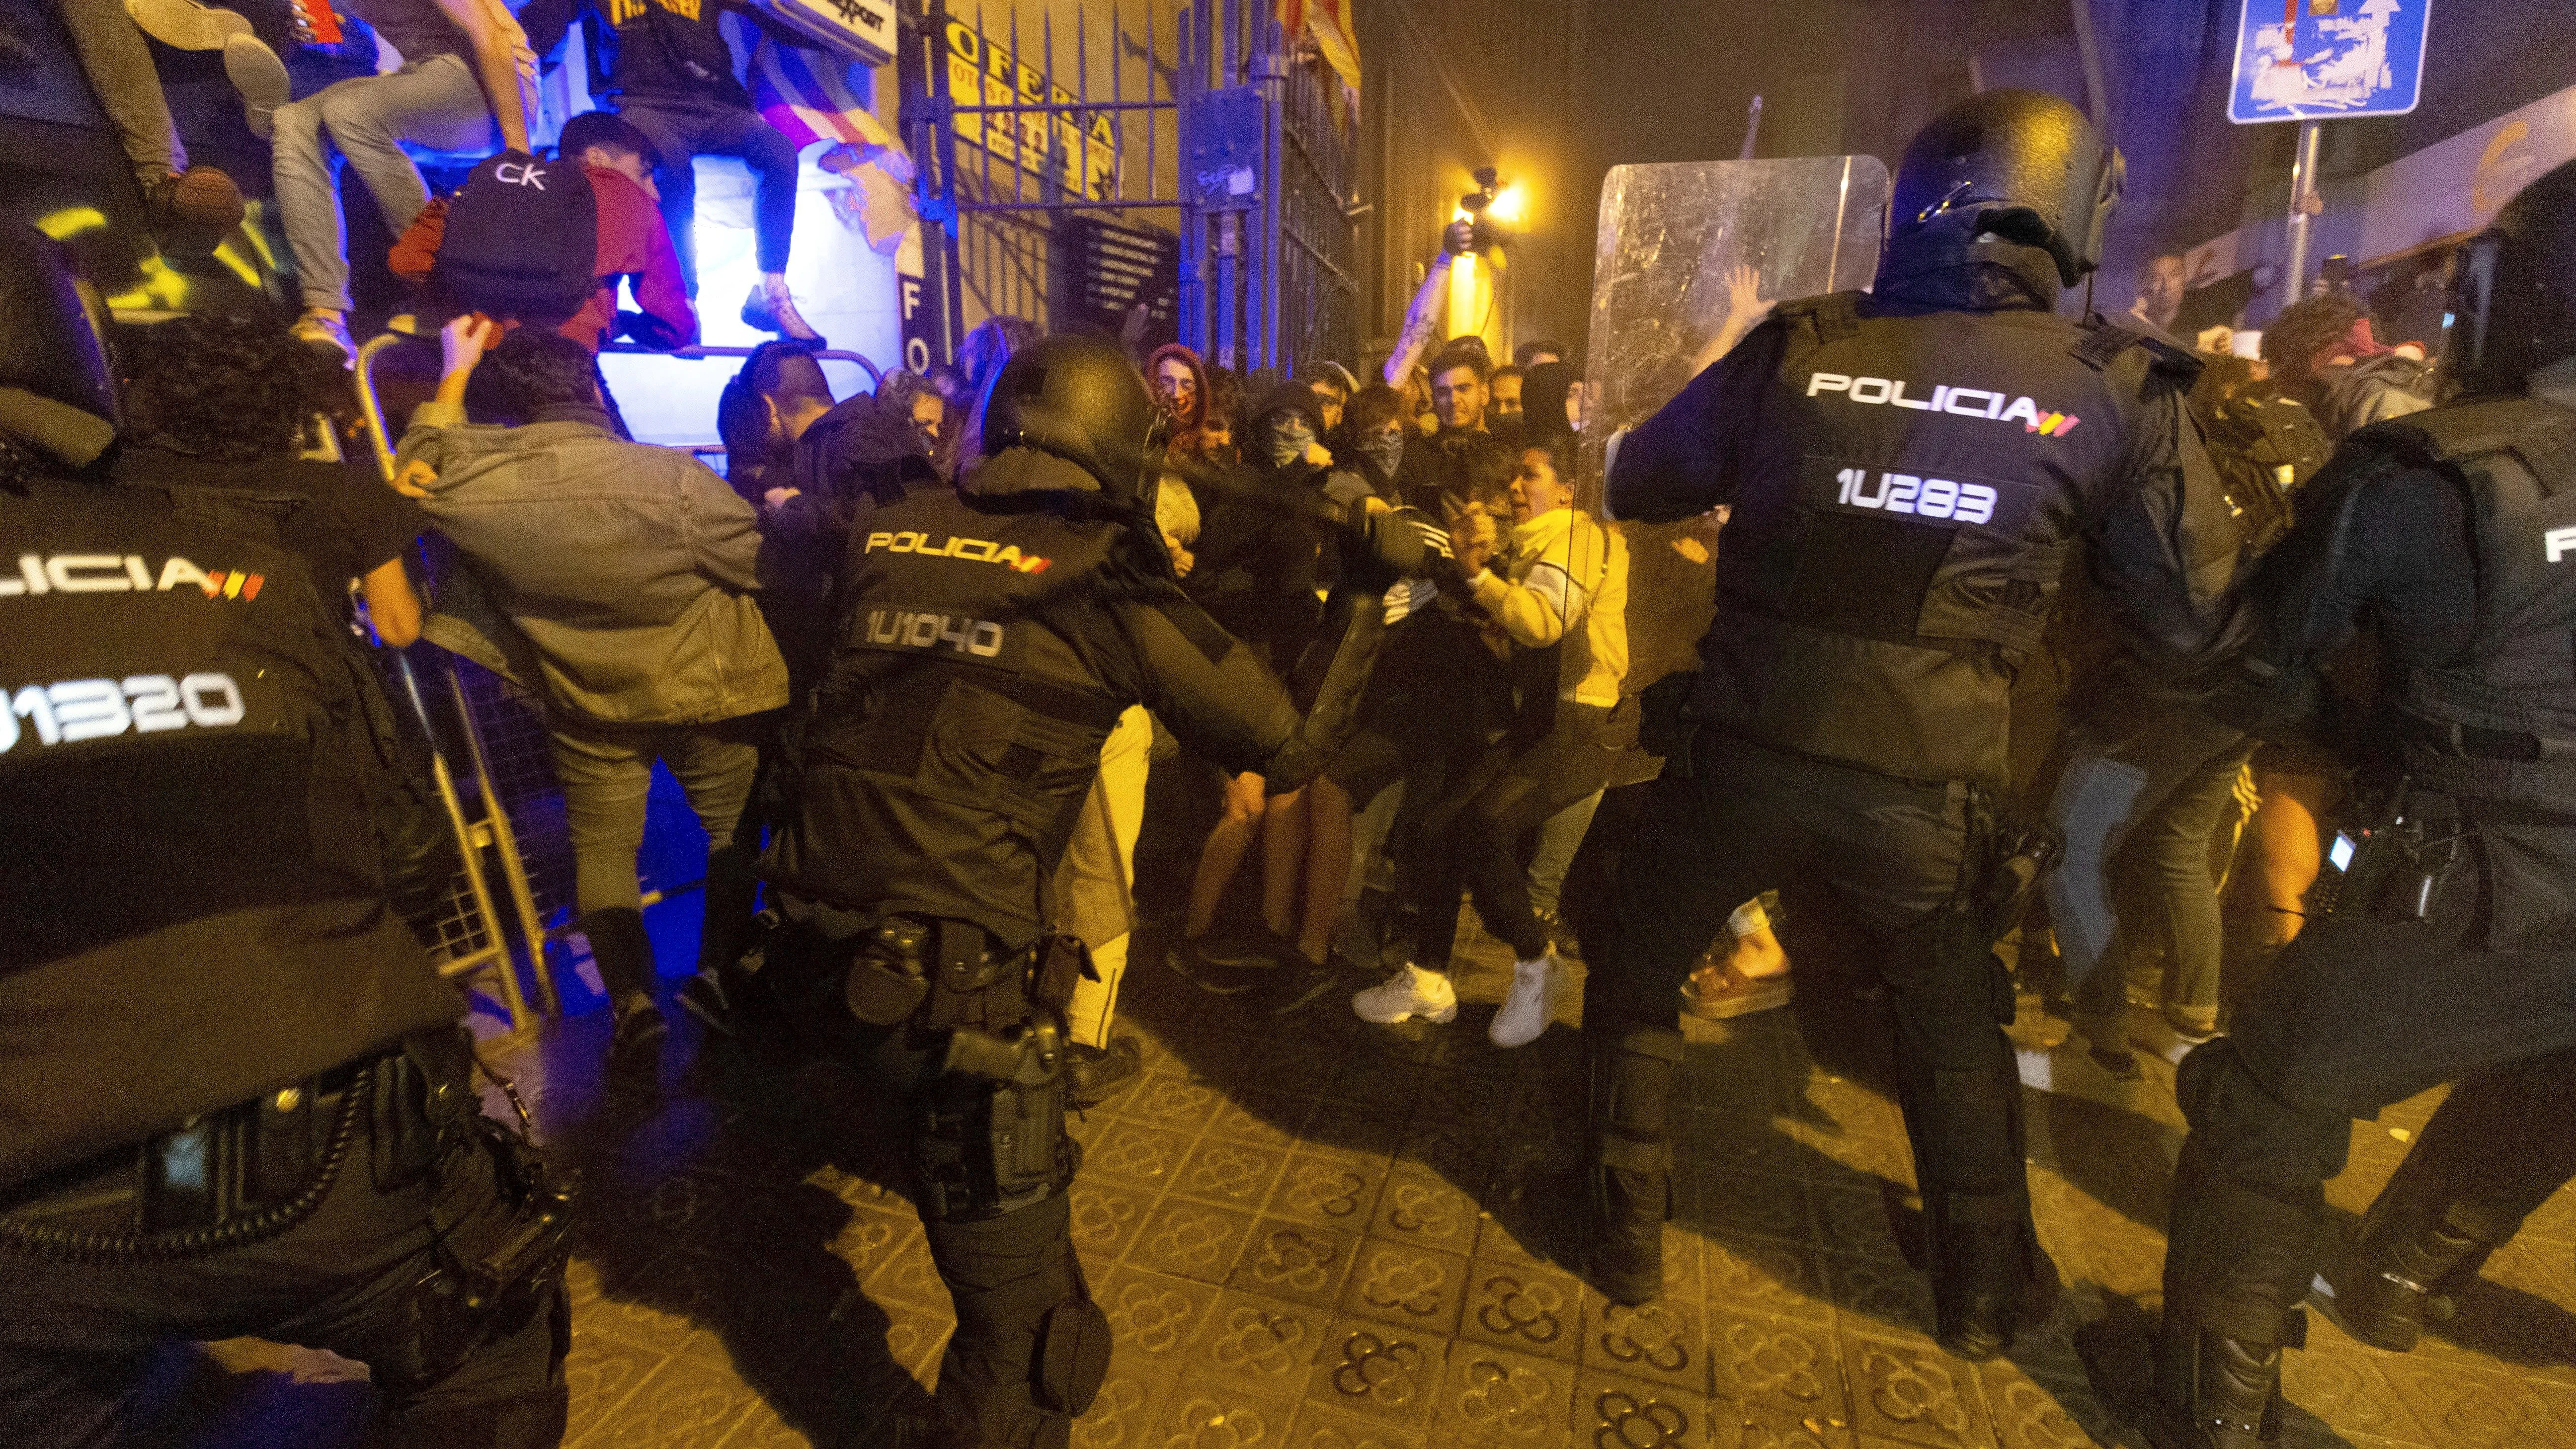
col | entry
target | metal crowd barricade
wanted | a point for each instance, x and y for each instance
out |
(469, 939)
(517, 811)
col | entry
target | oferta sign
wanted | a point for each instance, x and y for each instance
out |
(1057, 143)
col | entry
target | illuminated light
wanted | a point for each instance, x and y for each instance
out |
(71, 221)
(1510, 206)
(161, 287)
(232, 260)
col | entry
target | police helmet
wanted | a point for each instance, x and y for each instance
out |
(2513, 296)
(51, 342)
(2024, 165)
(1079, 399)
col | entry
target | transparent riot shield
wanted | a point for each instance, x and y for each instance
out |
(1672, 237)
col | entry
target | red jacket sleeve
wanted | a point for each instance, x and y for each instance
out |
(417, 249)
(634, 242)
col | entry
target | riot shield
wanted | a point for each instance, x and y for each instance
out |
(1671, 235)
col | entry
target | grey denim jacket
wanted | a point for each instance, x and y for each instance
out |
(612, 579)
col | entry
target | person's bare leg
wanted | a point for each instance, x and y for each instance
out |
(1283, 858)
(1328, 866)
(1757, 953)
(2287, 827)
(1223, 854)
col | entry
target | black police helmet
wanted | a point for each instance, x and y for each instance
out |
(50, 338)
(2024, 165)
(2513, 297)
(1079, 399)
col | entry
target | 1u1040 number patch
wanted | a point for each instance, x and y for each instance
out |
(93, 709)
(909, 629)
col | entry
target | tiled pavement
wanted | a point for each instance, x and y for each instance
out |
(1314, 1233)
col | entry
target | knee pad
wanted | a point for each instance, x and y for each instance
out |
(1032, 1348)
(2246, 1134)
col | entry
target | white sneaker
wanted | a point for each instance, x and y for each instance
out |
(1410, 992)
(1530, 1006)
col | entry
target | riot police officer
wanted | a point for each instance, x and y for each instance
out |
(238, 1097)
(990, 637)
(2449, 954)
(1909, 472)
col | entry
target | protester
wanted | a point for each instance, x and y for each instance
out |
(1562, 570)
(188, 208)
(1504, 395)
(674, 80)
(221, 402)
(1437, 467)
(2161, 283)
(634, 245)
(615, 582)
(465, 74)
(1179, 381)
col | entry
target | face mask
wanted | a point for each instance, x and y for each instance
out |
(1290, 437)
(1384, 449)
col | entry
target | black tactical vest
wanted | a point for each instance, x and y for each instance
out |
(2516, 459)
(1901, 518)
(191, 902)
(961, 724)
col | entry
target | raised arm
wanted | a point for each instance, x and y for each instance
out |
(498, 43)
(1422, 319)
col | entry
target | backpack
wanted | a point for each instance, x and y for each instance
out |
(522, 241)
(2265, 447)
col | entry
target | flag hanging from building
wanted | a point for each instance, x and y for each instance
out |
(807, 96)
(1328, 24)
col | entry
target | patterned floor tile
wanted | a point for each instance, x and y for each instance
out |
(1635, 1414)
(1135, 1153)
(1423, 1210)
(1324, 1426)
(1106, 1218)
(1219, 1414)
(1787, 1369)
(1171, 1101)
(1229, 1174)
(1763, 1276)
(1124, 1414)
(1495, 1399)
(1665, 1341)
(2031, 1413)
(1732, 1201)
(1414, 1288)
(1855, 1220)
(1330, 1191)
(692, 1398)
(1152, 1316)
(1265, 1345)
(2453, 1406)
(1263, 1119)
(1873, 1296)
(1296, 1261)
(1381, 1372)
(1914, 1392)
(602, 1373)
(1190, 1240)
(910, 1277)
(1525, 1308)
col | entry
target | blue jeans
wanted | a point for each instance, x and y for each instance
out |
(2138, 804)
(436, 103)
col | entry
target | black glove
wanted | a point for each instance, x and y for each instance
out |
(1379, 548)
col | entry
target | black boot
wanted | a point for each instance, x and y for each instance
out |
(2214, 1392)
(1988, 1272)
(1093, 1075)
(1031, 1347)
(1629, 1175)
(2399, 1273)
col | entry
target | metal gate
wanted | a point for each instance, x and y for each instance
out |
(1145, 120)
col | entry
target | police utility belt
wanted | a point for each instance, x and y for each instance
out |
(255, 1170)
(1002, 1011)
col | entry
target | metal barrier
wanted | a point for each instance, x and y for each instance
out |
(876, 375)
(468, 936)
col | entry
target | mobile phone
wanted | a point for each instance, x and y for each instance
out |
(2342, 851)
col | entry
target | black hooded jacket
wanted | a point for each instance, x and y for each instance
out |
(1262, 561)
(856, 458)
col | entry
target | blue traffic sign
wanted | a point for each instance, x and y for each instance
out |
(2316, 60)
